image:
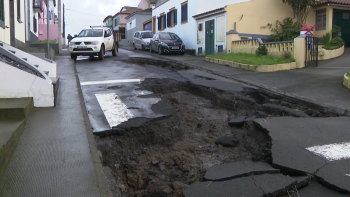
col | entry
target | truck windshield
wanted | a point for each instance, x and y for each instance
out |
(91, 33)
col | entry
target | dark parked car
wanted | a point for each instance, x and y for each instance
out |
(166, 42)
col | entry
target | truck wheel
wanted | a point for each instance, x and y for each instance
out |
(160, 50)
(73, 57)
(101, 54)
(143, 47)
(115, 50)
(150, 48)
(134, 46)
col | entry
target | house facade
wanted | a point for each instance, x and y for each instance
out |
(145, 4)
(136, 22)
(42, 24)
(108, 21)
(12, 26)
(188, 19)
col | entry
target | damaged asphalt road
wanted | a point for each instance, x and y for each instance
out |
(123, 96)
(317, 146)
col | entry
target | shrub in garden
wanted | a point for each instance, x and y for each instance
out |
(336, 29)
(287, 54)
(335, 43)
(262, 50)
(348, 74)
(286, 30)
(326, 39)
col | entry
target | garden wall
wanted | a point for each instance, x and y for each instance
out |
(324, 54)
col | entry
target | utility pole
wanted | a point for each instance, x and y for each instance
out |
(59, 28)
(64, 23)
(48, 28)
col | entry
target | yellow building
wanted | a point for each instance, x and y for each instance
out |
(12, 22)
(250, 20)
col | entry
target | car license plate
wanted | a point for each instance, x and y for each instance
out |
(81, 47)
(175, 47)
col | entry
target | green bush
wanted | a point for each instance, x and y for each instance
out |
(287, 54)
(286, 30)
(326, 39)
(262, 50)
(335, 43)
(45, 42)
(348, 74)
(336, 29)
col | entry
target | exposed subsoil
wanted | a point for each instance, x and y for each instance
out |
(165, 156)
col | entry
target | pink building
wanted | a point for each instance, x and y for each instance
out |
(42, 24)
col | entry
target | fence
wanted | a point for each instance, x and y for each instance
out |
(251, 45)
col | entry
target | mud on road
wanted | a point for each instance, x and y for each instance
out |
(165, 156)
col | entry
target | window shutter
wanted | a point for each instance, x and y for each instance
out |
(159, 23)
(164, 21)
(175, 17)
(185, 13)
(18, 9)
(182, 13)
(168, 19)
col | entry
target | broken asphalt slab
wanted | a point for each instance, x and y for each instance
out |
(318, 146)
(238, 169)
(259, 185)
(316, 190)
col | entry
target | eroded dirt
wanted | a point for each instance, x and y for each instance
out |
(166, 156)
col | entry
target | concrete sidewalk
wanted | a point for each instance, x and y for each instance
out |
(57, 155)
(322, 84)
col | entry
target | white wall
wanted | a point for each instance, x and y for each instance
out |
(15, 83)
(220, 22)
(187, 31)
(20, 27)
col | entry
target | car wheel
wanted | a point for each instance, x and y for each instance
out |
(115, 50)
(150, 48)
(101, 54)
(134, 46)
(160, 50)
(143, 47)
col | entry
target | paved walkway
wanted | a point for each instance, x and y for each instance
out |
(56, 155)
(322, 84)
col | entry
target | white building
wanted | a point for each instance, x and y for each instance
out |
(12, 31)
(201, 24)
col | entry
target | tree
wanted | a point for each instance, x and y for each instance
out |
(302, 8)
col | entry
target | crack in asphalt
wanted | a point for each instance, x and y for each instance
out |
(321, 167)
(258, 185)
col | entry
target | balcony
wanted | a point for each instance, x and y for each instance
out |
(38, 6)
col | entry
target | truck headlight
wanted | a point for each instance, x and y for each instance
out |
(162, 43)
(71, 43)
(95, 43)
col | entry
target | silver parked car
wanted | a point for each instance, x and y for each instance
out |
(142, 39)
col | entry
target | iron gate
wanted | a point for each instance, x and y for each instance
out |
(311, 51)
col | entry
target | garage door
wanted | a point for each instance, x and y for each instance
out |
(341, 18)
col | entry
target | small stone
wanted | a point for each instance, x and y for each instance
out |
(117, 166)
(155, 162)
(239, 121)
(227, 141)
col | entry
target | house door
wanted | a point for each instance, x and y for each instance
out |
(341, 18)
(209, 37)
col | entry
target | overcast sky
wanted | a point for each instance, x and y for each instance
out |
(83, 13)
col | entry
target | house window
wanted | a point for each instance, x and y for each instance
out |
(321, 19)
(147, 26)
(2, 14)
(18, 10)
(162, 22)
(116, 21)
(184, 12)
(172, 18)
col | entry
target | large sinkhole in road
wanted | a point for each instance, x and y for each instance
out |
(163, 157)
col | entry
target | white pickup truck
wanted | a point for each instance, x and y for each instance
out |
(93, 41)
